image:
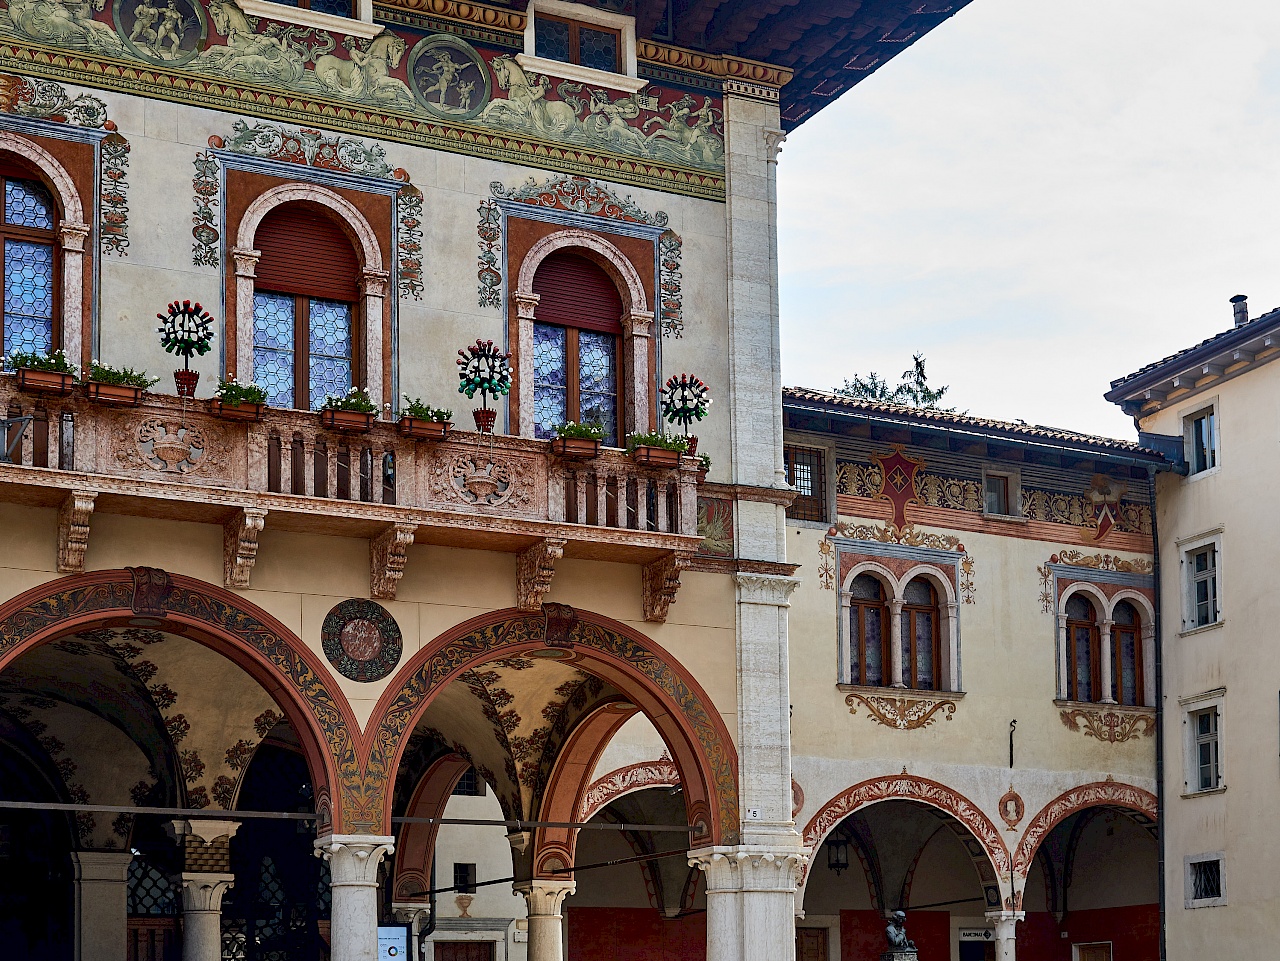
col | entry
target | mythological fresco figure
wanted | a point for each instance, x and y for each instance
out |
(145, 16)
(172, 26)
(446, 71)
(64, 22)
(367, 74)
(465, 90)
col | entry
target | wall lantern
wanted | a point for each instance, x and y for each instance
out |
(837, 854)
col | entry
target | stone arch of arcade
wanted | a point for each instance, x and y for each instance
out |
(637, 676)
(975, 831)
(249, 637)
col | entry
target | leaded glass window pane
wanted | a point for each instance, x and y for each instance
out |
(1127, 642)
(924, 651)
(551, 39)
(339, 8)
(27, 204)
(873, 646)
(330, 372)
(1084, 664)
(28, 296)
(550, 379)
(273, 347)
(866, 588)
(598, 49)
(598, 382)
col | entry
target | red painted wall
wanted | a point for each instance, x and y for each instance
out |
(1133, 931)
(862, 934)
(634, 934)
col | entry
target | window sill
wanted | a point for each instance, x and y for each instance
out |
(1105, 706)
(309, 18)
(1205, 792)
(900, 708)
(1010, 518)
(1202, 628)
(899, 692)
(1204, 473)
(579, 74)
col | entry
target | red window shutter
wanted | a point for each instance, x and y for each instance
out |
(306, 253)
(576, 292)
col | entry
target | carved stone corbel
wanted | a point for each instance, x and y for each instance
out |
(73, 531)
(661, 581)
(240, 545)
(534, 569)
(387, 553)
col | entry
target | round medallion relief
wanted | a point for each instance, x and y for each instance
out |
(361, 640)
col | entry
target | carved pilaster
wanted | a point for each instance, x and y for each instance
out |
(240, 545)
(387, 554)
(661, 582)
(534, 569)
(773, 140)
(73, 531)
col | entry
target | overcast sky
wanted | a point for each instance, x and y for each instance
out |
(1040, 195)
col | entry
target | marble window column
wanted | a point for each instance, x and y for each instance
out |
(1006, 936)
(895, 643)
(544, 898)
(101, 903)
(1106, 652)
(353, 866)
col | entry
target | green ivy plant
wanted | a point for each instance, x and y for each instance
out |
(415, 408)
(357, 399)
(233, 393)
(666, 442)
(55, 361)
(579, 431)
(119, 376)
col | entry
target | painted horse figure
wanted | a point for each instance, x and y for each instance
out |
(367, 75)
(260, 56)
(525, 105)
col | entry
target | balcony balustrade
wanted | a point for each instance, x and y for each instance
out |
(171, 458)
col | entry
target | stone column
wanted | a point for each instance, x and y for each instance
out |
(750, 901)
(953, 678)
(895, 643)
(637, 328)
(373, 292)
(1148, 664)
(1107, 665)
(202, 893)
(544, 898)
(1064, 669)
(353, 867)
(246, 262)
(102, 919)
(526, 308)
(1006, 936)
(71, 238)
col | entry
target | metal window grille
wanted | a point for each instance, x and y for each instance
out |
(469, 785)
(150, 892)
(806, 472)
(1206, 879)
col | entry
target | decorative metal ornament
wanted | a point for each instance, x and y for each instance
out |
(685, 398)
(186, 330)
(485, 370)
(361, 640)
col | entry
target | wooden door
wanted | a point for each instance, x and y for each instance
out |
(811, 944)
(464, 950)
(1094, 952)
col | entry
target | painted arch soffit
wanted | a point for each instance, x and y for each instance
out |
(410, 82)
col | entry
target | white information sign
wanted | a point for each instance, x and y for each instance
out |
(977, 934)
(393, 943)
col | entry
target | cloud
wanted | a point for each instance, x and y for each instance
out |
(1040, 197)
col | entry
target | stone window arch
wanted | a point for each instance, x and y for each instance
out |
(635, 388)
(1084, 668)
(369, 315)
(1144, 636)
(68, 235)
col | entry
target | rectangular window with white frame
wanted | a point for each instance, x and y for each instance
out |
(1203, 738)
(1200, 436)
(1205, 880)
(1201, 581)
(572, 41)
(1001, 493)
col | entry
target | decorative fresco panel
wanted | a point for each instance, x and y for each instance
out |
(670, 296)
(409, 241)
(361, 640)
(715, 524)
(205, 218)
(113, 194)
(409, 83)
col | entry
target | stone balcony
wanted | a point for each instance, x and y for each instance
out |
(173, 459)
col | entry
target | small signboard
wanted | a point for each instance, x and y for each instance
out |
(393, 942)
(977, 934)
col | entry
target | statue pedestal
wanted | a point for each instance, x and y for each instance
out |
(899, 956)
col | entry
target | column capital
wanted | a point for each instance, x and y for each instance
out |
(749, 867)
(373, 283)
(773, 140)
(526, 304)
(639, 323)
(246, 261)
(101, 865)
(72, 236)
(544, 896)
(203, 890)
(354, 858)
(1005, 922)
(772, 590)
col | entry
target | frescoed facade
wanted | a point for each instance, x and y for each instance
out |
(251, 651)
(1212, 408)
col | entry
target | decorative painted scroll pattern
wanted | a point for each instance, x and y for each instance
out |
(1104, 562)
(904, 713)
(46, 100)
(949, 492)
(860, 480)
(715, 524)
(409, 241)
(1047, 599)
(205, 220)
(489, 273)
(579, 195)
(308, 148)
(826, 565)
(910, 536)
(113, 193)
(670, 296)
(1078, 510)
(1108, 793)
(1113, 727)
(624, 780)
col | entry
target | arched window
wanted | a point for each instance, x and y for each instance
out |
(30, 251)
(1126, 650)
(868, 632)
(304, 298)
(576, 338)
(1083, 655)
(921, 652)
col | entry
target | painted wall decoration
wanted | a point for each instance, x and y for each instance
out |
(715, 524)
(579, 195)
(409, 241)
(308, 148)
(1103, 563)
(489, 273)
(205, 219)
(905, 712)
(113, 194)
(909, 536)
(1114, 726)
(899, 486)
(361, 640)
(411, 82)
(670, 296)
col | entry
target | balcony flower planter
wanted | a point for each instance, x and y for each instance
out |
(348, 421)
(575, 448)
(115, 395)
(45, 381)
(241, 411)
(647, 456)
(422, 429)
